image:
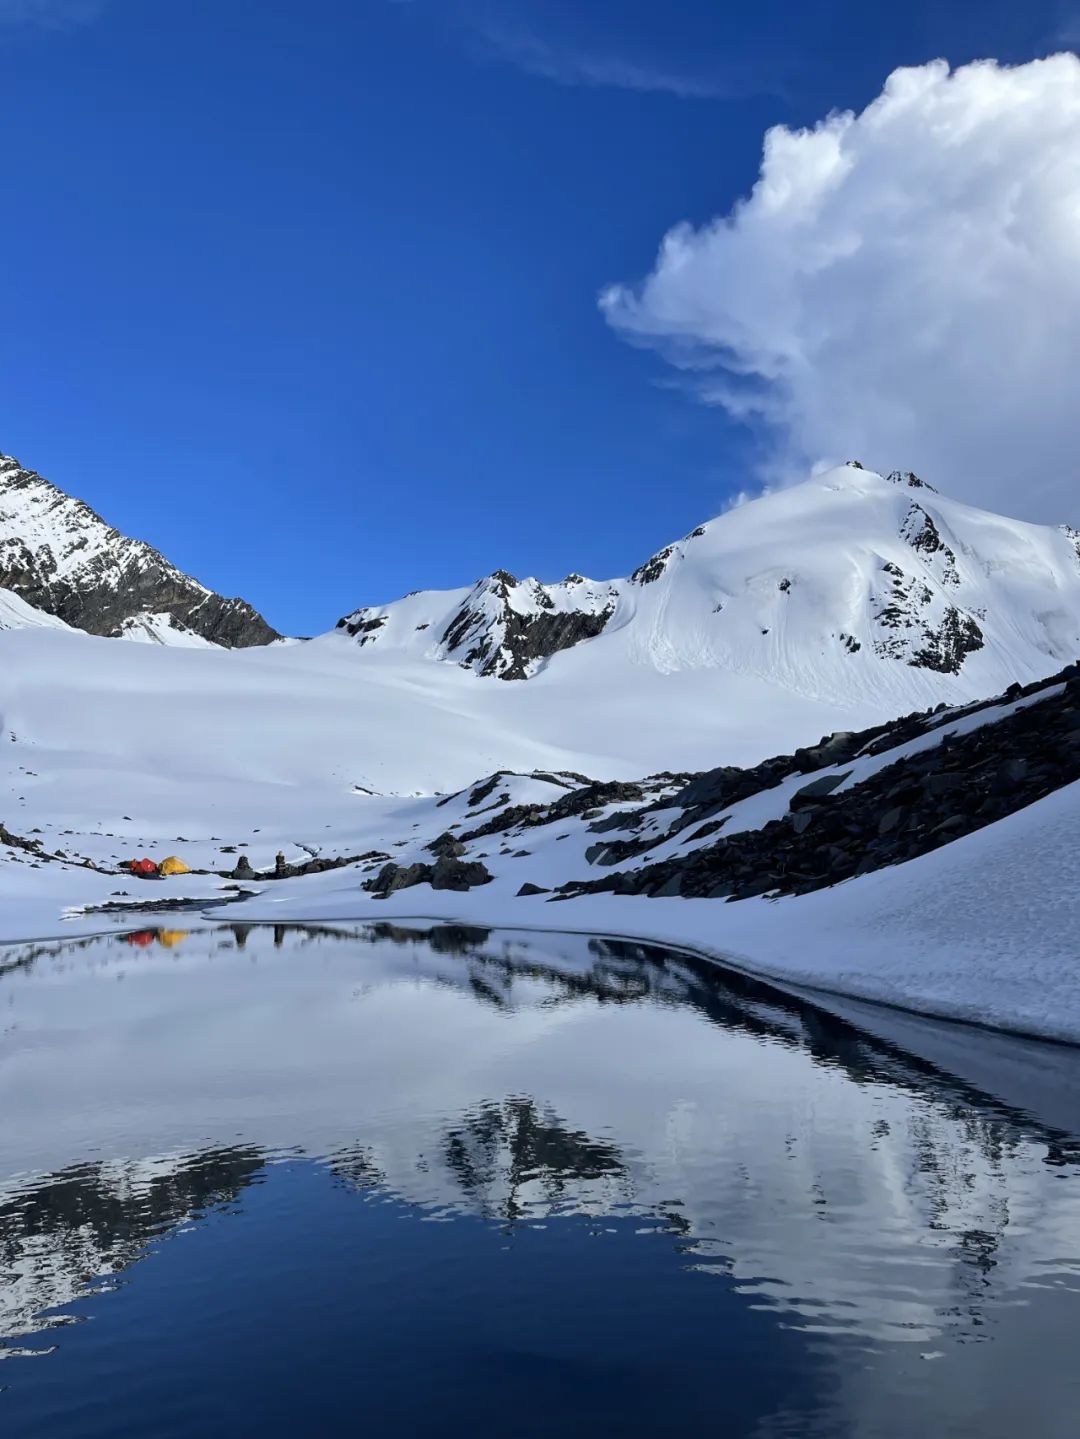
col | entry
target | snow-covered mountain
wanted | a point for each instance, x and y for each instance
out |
(63, 559)
(658, 754)
(850, 582)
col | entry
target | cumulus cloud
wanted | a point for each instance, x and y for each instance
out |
(901, 286)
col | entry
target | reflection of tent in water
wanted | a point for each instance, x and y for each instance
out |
(167, 938)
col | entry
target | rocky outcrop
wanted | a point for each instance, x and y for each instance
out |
(61, 557)
(905, 809)
(914, 624)
(445, 873)
(505, 628)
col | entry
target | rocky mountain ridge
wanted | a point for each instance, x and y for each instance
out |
(62, 558)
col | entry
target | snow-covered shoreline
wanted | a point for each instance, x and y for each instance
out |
(924, 853)
(983, 930)
(942, 935)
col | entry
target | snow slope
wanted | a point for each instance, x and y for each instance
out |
(848, 586)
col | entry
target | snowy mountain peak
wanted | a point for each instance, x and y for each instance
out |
(850, 582)
(61, 557)
(502, 626)
(906, 477)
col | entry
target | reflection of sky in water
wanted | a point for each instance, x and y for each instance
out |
(674, 1153)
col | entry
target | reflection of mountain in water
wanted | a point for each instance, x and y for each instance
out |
(838, 1179)
(95, 1220)
(509, 1157)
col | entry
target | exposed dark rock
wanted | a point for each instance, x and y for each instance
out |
(118, 580)
(817, 790)
(510, 642)
(527, 889)
(445, 873)
(909, 630)
(945, 650)
(591, 796)
(922, 534)
(901, 477)
(653, 567)
(459, 874)
(890, 820)
(361, 628)
(913, 805)
(478, 795)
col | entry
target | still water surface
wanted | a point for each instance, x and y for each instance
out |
(446, 1181)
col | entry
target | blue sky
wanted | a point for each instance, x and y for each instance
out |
(306, 293)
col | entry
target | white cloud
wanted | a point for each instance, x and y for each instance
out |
(569, 64)
(901, 286)
(571, 45)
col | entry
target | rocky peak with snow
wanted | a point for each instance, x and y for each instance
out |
(849, 582)
(502, 626)
(63, 559)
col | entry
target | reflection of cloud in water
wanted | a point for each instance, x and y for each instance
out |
(850, 1188)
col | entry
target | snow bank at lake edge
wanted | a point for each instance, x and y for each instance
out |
(985, 930)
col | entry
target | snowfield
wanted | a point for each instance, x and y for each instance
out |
(841, 604)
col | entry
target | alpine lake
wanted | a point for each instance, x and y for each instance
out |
(433, 1180)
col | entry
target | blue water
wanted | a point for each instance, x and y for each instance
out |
(460, 1183)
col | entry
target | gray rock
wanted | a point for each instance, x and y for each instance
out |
(669, 889)
(937, 785)
(456, 874)
(890, 820)
(817, 789)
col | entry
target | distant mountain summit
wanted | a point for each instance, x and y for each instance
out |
(852, 582)
(63, 559)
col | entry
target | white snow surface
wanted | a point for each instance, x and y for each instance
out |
(793, 590)
(163, 629)
(335, 748)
